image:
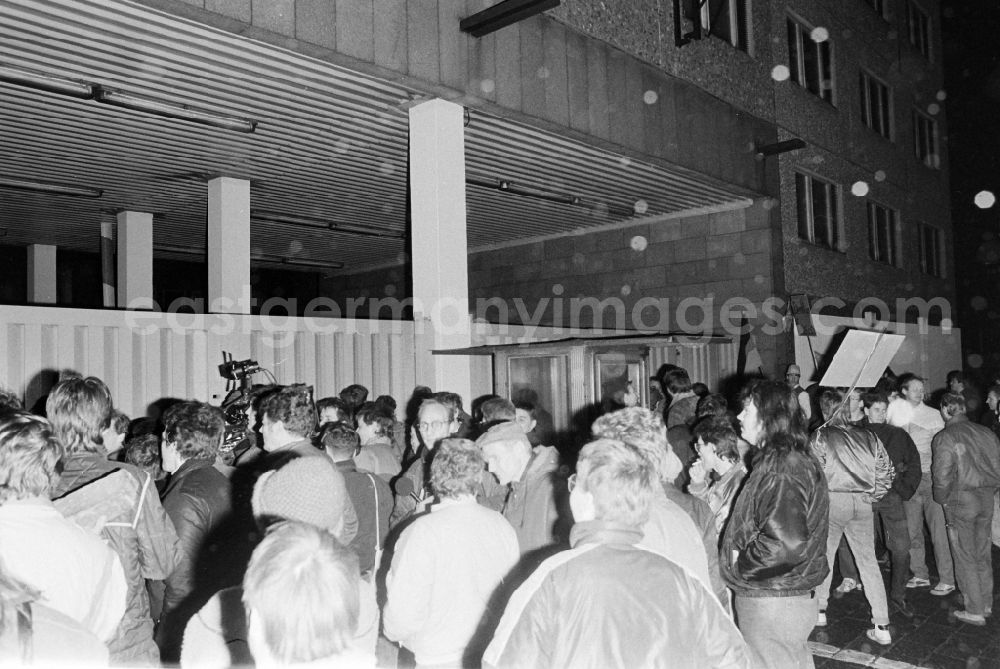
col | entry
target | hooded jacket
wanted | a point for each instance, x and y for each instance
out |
(531, 504)
(775, 541)
(608, 603)
(144, 539)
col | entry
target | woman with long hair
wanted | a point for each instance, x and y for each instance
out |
(774, 548)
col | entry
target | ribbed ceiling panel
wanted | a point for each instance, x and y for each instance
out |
(331, 143)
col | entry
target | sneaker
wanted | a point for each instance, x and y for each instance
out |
(847, 585)
(880, 635)
(821, 619)
(970, 618)
(942, 589)
(917, 582)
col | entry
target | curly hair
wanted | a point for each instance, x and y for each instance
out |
(953, 404)
(79, 409)
(9, 401)
(456, 468)
(338, 438)
(29, 457)
(641, 429)
(143, 451)
(371, 414)
(194, 428)
(718, 431)
(293, 407)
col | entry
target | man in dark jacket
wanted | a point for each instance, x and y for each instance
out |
(858, 473)
(966, 475)
(197, 499)
(607, 602)
(370, 495)
(773, 551)
(906, 463)
(287, 422)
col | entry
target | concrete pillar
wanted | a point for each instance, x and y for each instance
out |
(42, 288)
(135, 260)
(229, 246)
(108, 264)
(439, 252)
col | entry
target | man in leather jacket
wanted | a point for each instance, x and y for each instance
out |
(966, 474)
(858, 472)
(197, 499)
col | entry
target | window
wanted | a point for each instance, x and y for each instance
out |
(918, 28)
(728, 20)
(879, 6)
(925, 141)
(818, 210)
(876, 107)
(809, 61)
(931, 250)
(883, 234)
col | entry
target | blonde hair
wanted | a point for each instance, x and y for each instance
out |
(303, 586)
(29, 454)
(645, 431)
(621, 480)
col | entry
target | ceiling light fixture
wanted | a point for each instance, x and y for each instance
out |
(44, 82)
(50, 188)
(303, 221)
(259, 257)
(117, 98)
(507, 186)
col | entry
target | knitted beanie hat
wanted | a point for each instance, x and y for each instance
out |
(308, 490)
(508, 431)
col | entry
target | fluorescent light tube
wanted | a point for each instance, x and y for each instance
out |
(116, 98)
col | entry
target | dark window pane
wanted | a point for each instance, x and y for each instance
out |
(802, 201)
(820, 213)
(793, 52)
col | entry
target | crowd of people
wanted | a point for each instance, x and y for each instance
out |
(698, 532)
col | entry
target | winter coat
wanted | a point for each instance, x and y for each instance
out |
(532, 504)
(854, 460)
(198, 501)
(608, 603)
(372, 501)
(966, 457)
(775, 542)
(141, 534)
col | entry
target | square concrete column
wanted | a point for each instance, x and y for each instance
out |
(229, 246)
(42, 274)
(439, 252)
(107, 264)
(135, 260)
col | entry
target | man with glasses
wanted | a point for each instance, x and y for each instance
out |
(435, 422)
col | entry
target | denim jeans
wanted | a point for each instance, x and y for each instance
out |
(777, 629)
(851, 517)
(970, 517)
(919, 508)
(890, 511)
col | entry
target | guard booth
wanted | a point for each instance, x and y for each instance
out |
(573, 380)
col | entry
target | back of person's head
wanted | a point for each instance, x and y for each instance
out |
(619, 478)
(955, 375)
(952, 404)
(782, 421)
(498, 409)
(194, 428)
(527, 407)
(307, 490)
(293, 407)
(120, 422)
(719, 431)
(712, 405)
(833, 407)
(337, 406)
(79, 409)
(699, 389)
(678, 381)
(457, 468)
(643, 430)
(339, 440)
(143, 451)
(663, 371)
(29, 457)
(9, 401)
(301, 592)
(386, 404)
(354, 396)
(372, 414)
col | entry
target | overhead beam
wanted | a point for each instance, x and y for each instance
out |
(503, 14)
